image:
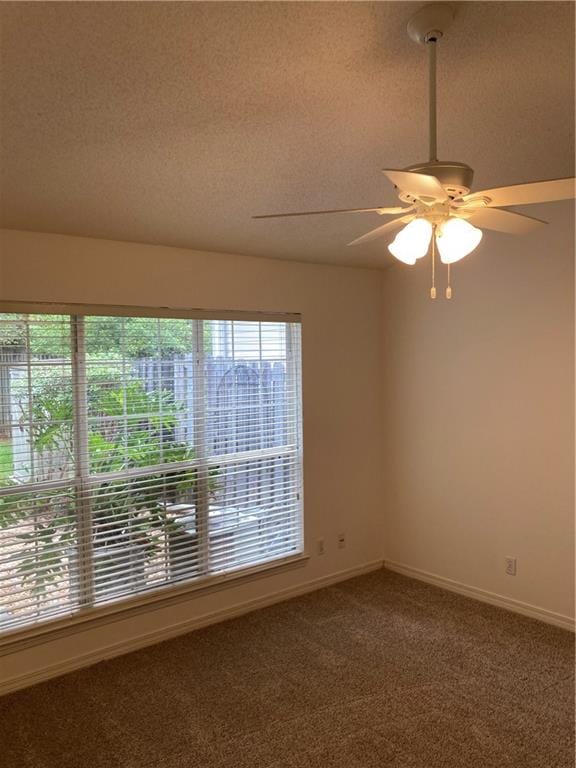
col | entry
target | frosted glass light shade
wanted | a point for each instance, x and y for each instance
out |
(412, 241)
(455, 239)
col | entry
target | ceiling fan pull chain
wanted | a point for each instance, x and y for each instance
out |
(433, 289)
(448, 287)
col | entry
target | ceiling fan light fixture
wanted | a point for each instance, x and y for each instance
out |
(412, 242)
(456, 238)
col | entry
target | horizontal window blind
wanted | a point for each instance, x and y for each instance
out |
(140, 452)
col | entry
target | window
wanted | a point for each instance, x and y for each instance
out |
(141, 452)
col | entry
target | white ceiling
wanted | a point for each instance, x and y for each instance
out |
(174, 122)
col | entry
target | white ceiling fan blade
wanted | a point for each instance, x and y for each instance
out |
(505, 221)
(381, 211)
(421, 185)
(379, 231)
(526, 194)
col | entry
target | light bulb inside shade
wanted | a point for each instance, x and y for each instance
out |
(456, 238)
(412, 241)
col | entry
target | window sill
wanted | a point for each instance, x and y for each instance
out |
(18, 640)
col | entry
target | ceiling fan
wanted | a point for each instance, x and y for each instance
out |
(439, 207)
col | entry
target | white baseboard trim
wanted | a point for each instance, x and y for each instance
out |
(181, 628)
(509, 603)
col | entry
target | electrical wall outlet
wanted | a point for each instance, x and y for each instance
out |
(320, 549)
(341, 540)
(510, 565)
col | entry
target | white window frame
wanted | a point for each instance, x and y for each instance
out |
(87, 614)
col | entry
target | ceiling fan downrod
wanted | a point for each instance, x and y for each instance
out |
(431, 42)
(427, 27)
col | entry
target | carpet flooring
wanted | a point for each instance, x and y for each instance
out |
(375, 672)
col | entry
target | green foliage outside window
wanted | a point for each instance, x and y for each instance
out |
(128, 336)
(128, 511)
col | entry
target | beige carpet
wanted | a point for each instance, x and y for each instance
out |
(377, 671)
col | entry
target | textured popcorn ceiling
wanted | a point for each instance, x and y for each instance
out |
(174, 122)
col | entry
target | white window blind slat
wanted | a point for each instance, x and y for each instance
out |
(140, 452)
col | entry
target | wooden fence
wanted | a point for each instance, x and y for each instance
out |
(246, 410)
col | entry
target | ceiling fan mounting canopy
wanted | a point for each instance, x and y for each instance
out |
(430, 22)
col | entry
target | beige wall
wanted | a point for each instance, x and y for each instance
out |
(341, 387)
(479, 428)
(456, 452)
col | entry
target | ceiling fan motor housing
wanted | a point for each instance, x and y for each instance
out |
(456, 178)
